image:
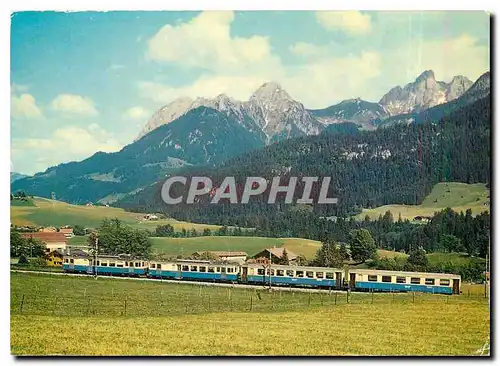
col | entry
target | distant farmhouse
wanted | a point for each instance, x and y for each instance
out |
(150, 217)
(235, 257)
(276, 255)
(52, 240)
(67, 231)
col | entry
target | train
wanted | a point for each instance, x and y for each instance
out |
(348, 279)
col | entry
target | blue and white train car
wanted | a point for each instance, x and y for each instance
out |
(194, 270)
(395, 281)
(111, 265)
(291, 275)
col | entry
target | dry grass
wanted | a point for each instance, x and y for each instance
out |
(458, 196)
(423, 329)
(82, 316)
(51, 212)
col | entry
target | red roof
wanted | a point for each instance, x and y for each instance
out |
(46, 237)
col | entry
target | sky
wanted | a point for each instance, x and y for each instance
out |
(84, 82)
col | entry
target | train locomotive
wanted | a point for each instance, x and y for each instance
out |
(352, 279)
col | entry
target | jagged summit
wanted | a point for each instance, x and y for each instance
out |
(270, 90)
(426, 75)
(425, 92)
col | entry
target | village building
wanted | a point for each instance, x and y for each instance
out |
(55, 257)
(276, 255)
(48, 229)
(67, 231)
(235, 257)
(52, 240)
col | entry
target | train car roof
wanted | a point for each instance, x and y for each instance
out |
(401, 273)
(292, 267)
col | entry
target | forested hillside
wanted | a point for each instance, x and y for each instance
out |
(397, 164)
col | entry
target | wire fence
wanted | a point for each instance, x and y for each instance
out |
(209, 300)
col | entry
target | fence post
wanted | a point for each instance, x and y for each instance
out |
(125, 308)
(372, 296)
(336, 298)
(468, 293)
(251, 303)
(393, 297)
(309, 300)
(22, 303)
(347, 295)
(413, 297)
(208, 302)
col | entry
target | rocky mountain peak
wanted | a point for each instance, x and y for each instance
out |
(425, 92)
(425, 76)
(166, 114)
(270, 91)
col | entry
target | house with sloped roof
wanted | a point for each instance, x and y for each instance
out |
(276, 255)
(236, 257)
(52, 240)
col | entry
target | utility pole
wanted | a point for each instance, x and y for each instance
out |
(486, 277)
(270, 261)
(95, 256)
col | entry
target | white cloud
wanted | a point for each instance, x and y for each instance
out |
(351, 22)
(66, 144)
(24, 106)
(136, 112)
(308, 50)
(463, 55)
(205, 42)
(238, 66)
(237, 86)
(74, 104)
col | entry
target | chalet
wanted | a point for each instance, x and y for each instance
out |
(67, 231)
(52, 240)
(276, 254)
(55, 257)
(150, 217)
(48, 229)
(236, 257)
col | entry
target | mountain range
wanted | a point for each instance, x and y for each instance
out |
(208, 132)
(273, 115)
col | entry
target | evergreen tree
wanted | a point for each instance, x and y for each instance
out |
(362, 245)
(284, 258)
(418, 259)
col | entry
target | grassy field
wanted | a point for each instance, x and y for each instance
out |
(455, 258)
(46, 212)
(250, 245)
(458, 196)
(82, 316)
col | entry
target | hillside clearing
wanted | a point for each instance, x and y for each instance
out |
(458, 196)
(47, 212)
(250, 245)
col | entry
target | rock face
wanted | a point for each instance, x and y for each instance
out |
(356, 111)
(270, 113)
(425, 92)
(166, 114)
(278, 115)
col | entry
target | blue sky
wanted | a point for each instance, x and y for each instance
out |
(88, 81)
